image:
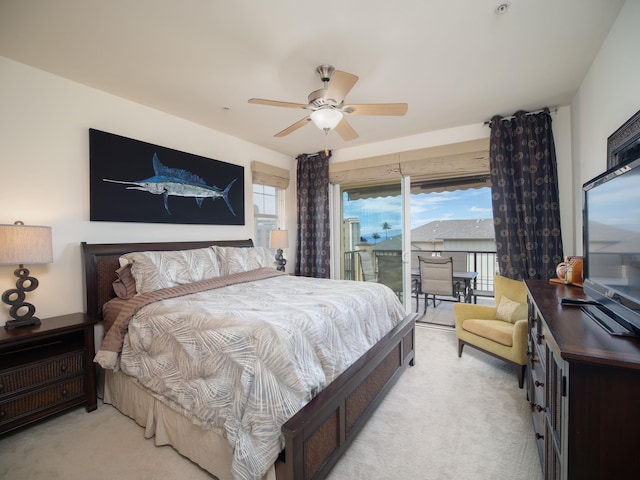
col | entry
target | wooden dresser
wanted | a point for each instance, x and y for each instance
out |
(584, 390)
(46, 369)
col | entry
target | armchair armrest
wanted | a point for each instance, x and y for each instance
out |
(520, 337)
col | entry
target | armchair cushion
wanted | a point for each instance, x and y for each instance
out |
(496, 330)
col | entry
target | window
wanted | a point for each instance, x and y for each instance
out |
(269, 185)
(265, 213)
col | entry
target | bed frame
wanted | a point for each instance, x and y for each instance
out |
(318, 435)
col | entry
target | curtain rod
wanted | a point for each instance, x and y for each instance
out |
(551, 110)
(325, 151)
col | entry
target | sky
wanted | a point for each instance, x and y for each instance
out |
(457, 205)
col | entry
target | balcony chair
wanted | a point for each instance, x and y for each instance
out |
(390, 272)
(459, 260)
(366, 266)
(499, 330)
(436, 279)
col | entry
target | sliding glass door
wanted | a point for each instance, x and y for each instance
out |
(372, 243)
(384, 227)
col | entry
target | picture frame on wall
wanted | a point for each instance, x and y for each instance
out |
(136, 181)
(623, 145)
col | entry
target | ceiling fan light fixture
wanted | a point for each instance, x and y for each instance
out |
(326, 118)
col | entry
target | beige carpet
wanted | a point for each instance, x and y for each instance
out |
(447, 418)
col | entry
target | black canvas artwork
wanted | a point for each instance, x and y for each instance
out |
(134, 181)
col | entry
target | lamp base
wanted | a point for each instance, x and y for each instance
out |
(21, 311)
(23, 322)
(280, 260)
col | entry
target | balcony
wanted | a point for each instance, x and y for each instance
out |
(484, 263)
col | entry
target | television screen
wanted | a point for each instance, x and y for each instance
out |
(612, 243)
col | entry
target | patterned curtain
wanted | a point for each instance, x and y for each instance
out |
(313, 215)
(525, 195)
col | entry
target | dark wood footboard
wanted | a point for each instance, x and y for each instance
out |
(318, 435)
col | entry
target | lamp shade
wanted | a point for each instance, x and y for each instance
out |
(25, 244)
(279, 239)
(326, 118)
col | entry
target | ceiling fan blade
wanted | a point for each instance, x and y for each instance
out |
(276, 103)
(292, 128)
(396, 109)
(340, 84)
(345, 130)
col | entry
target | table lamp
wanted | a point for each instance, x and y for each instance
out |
(20, 244)
(280, 240)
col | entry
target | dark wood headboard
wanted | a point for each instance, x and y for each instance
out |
(101, 263)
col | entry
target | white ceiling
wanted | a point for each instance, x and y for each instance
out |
(455, 62)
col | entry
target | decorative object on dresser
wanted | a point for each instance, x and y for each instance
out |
(584, 389)
(46, 370)
(20, 244)
(280, 239)
(570, 271)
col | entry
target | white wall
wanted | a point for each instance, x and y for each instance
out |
(44, 180)
(608, 96)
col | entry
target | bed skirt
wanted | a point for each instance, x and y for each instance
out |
(167, 427)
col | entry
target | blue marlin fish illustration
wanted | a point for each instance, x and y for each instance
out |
(179, 183)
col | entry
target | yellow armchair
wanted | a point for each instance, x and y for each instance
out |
(499, 330)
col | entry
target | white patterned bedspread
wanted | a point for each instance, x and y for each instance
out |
(244, 358)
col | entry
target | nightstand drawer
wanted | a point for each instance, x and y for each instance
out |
(40, 373)
(29, 403)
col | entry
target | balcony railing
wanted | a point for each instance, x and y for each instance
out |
(484, 263)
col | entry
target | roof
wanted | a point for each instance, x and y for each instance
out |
(477, 229)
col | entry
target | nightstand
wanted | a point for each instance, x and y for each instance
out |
(46, 369)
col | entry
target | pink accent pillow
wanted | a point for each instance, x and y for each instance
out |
(124, 285)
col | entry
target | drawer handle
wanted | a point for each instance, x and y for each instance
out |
(537, 407)
(539, 437)
(63, 368)
(65, 392)
(538, 384)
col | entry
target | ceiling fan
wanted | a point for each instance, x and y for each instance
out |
(328, 108)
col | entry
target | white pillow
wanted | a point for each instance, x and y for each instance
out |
(164, 269)
(243, 259)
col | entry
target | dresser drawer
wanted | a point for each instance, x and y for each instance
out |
(21, 405)
(537, 369)
(39, 373)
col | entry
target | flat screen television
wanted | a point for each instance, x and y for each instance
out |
(611, 222)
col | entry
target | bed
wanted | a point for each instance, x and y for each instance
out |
(313, 438)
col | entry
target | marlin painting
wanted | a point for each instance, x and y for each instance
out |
(178, 183)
